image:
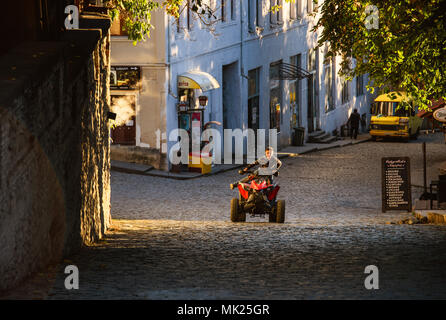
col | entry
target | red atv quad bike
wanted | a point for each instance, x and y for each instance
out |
(258, 197)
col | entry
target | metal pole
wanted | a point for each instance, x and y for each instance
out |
(424, 168)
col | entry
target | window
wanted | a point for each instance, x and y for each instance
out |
(312, 92)
(296, 9)
(293, 10)
(188, 14)
(388, 108)
(223, 10)
(311, 60)
(185, 13)
(280, 12)
(345, 91)
(309, 6)
(232, 9)
(275, 16)
(328, 82)
(300, 8)
(118, 26)
(295, 95)
(253, 98)
(360, 85)
(276, 117)
(254, 7)
(258, 12)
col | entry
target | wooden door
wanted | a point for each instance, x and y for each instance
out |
(125, 130)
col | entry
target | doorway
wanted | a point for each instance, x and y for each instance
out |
(124, 131)
(312, 115)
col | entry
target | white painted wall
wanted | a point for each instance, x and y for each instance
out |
(199, 49)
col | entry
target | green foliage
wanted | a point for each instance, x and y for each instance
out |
(405, 52)
(137, 13)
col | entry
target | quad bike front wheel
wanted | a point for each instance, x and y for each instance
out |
(280, 211)
(236, 213)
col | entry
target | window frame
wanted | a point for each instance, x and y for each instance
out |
(345, 91)
(310, 8)
(297, 87)
(223, 10)
(360, 85)
(254, 96)
(330, 104)
(275, 85)
(254, 15)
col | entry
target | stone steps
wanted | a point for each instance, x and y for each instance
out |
(321, 137)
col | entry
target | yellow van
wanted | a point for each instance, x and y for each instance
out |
(390, 121)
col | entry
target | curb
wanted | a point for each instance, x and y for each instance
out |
(432, 217)
(282, 156)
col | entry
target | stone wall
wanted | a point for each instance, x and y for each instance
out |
(134, 154)
(54, 148)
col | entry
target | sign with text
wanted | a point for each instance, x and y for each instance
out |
(440, 114)
(396, 190)
(125, 77)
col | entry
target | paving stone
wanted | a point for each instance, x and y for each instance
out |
(173, 239)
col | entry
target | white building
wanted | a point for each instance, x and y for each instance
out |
(242, 55)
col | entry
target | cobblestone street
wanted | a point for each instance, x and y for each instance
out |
(173, 239)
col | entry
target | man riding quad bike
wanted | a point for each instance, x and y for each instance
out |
(258, 192)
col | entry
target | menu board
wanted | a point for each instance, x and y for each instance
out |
(396, 191)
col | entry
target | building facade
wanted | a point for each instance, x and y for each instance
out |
(234, 63)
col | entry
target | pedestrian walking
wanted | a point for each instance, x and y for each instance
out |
(354, 121)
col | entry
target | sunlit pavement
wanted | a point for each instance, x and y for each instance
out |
(173, 239)
(155, 259)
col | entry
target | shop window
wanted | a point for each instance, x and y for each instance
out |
(187, 96)
(275, 97)
(295, 95)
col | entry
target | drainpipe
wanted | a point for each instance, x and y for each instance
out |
(242, 69)
(169, 92)
(241, 41)
(168, 60)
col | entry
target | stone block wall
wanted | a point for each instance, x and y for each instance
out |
(148, 156)
(54, 148)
